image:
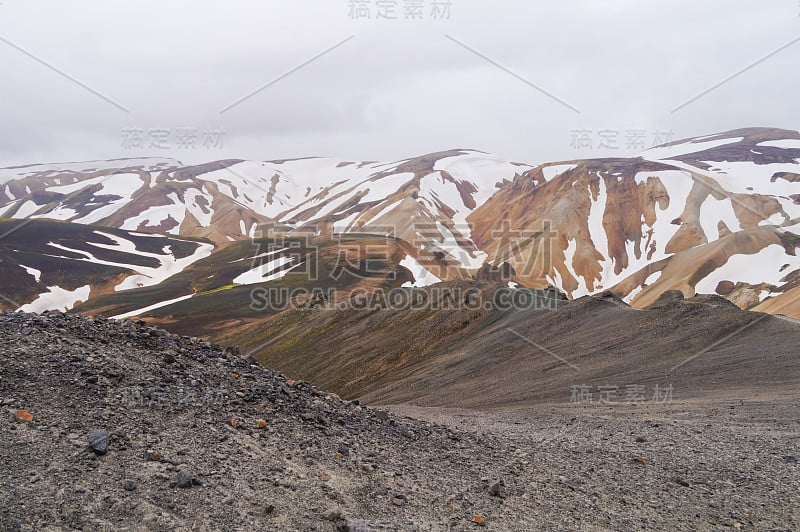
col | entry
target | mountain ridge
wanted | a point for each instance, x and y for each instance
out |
(699, 215)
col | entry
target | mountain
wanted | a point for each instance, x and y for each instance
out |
(717, 214)
(423, 200)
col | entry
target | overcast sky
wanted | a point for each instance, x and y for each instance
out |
(531, 81)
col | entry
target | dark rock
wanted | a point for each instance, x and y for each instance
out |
(496, 489)
(564, 482)
(129, 484)
(98, 441)
(311, 417)
(184, 479)
(681, 481)
(332, 515)
(724, 288)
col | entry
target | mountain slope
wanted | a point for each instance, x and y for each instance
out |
(489, 355)
(188, 436)
(52, 265)
(244, 283)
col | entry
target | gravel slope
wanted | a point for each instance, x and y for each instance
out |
(175, 461)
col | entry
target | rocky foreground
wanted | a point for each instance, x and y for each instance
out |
(120, 426)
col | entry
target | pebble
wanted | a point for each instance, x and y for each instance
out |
(496, 488)
(332, 515)
(681, 481)
(184, 479)
(23, 416)
(98, 441)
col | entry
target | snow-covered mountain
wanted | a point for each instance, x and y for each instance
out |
(714, 214)
(424, 201)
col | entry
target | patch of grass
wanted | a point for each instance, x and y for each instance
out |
(218, 289)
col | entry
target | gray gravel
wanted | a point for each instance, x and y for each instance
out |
(200, 439)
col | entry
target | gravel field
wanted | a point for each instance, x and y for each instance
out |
(121, 426)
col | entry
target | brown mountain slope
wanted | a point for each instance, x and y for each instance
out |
(476, 357)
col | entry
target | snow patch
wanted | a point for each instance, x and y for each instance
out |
(32, 271)
(422, 277)
(549, 172)
(57, 298)
(792, 144)
(268, 271)
(761, 267)
(155, 306)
